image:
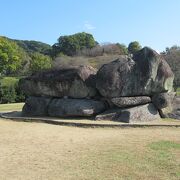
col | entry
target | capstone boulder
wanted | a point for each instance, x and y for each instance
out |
(145, 74)
(75, 82)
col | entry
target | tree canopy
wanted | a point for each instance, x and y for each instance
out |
(11, 56)
(34, 46)
(172, 56)
(133, 47)
(39, 62)
(70, 45)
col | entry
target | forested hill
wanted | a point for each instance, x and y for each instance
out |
(34, 46)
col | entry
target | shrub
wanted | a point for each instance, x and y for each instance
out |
(66, 61)
(8, 94)
(20, 96)
(10, 91)
(106, 49)
(96, 62)
(39, 62)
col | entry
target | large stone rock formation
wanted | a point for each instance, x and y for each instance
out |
(146, 74)
(36, 106)
(75, 82)
(123, 87)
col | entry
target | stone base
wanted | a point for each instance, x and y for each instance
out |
(75, 107)
(58, 107)
(142, 113)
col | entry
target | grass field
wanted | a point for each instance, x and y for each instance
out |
(11, 107)
(40, 151)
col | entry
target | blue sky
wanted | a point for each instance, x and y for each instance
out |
(154, 23)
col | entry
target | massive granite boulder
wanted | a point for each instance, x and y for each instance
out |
(147, 73)
(140, 113)
(75, 82)
(59, 107)
(36, 106)
(75, 107)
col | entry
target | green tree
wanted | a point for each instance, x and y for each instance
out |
(11, 56)
(7, 94)
(70, 45)
(123, 49)
(10, 90)
(133, 47)
(55, 50)
(172, 56)
(39, 62)
(34, 46)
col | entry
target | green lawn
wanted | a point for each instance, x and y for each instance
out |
(57, 152)
(11, 107)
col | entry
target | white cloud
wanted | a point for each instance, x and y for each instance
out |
(88, 26)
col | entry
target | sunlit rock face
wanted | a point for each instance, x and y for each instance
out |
(144, 74)
(75, 82)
